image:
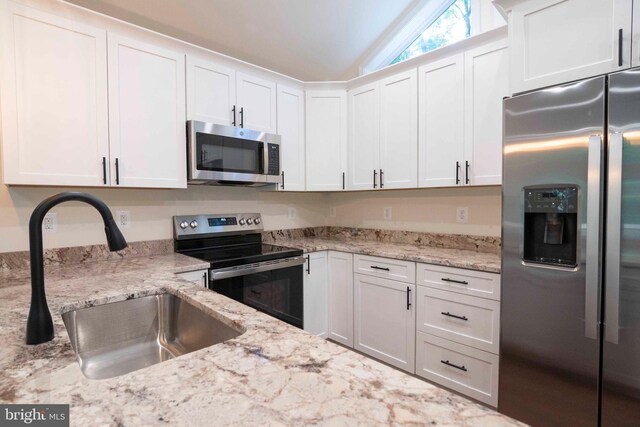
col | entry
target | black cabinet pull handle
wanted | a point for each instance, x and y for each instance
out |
(375, 178)
(381, 178)
(256, 292)
(308, 264)
(375, 267)
(466, 172)
(117, 172)
(343, 180)
(104, 170)
(457, 173)
(446, 362)
(234, 115)
(620, 48)
(408, 298)
(204, 279)
(446, 279)
(446, 313)
(282, 185)
(241, 117)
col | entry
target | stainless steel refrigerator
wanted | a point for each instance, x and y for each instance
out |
(570, 319)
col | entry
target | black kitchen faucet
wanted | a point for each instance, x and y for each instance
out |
(39, 323)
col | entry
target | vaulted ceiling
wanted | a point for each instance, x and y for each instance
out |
(311, 40)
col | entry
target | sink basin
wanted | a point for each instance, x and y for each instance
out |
(116, 338)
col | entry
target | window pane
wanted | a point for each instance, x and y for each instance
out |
(453, 25)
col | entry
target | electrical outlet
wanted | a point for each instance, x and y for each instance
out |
(332, 212)
(387, 212)
(122, 219)
(462, 215)
(292, 213)
(50, 223)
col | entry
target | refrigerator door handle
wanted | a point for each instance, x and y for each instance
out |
(592, 281)
(614, 208)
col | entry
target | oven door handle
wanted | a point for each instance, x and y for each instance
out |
(244, 270)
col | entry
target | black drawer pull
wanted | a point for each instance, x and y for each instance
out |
(446, 362)
(446, 279)
(308, 264)
(446, 313)
(375, 267)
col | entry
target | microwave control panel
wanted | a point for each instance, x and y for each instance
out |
(274, 159)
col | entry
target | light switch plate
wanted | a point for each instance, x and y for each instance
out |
(292, 213)
(332, 212)
(462, 215)
(387, 212)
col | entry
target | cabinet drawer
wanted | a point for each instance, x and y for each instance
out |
(468, 282)
(467, 320)
(403, 271)
(466, 370)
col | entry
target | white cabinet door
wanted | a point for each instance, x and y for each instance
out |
(291, 130)
(557, 41)
(486, 83)
(315, 294)
(384, 320)
(54, 100)
(399, 130)
(326, 137)
(364, 138)
(256, 101)
(441, 122)
(211, 92)
(199, 277)
(341, 298)
(146, 115)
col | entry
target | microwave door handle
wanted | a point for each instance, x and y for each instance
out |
(614, 208)
(594, 213)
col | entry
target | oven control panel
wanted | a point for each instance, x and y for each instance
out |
(192, 226)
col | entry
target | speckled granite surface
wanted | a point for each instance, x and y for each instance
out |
(398, 245)
(272, 374)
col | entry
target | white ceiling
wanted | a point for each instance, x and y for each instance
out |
(311, 40)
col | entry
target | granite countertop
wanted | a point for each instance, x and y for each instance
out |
(271, 374)
(460, 258)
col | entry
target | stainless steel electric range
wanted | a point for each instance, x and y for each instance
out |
(265, 277)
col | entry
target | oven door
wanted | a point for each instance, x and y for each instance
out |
(277, 292)
(226, 154)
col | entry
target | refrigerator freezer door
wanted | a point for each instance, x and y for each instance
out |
(621, 348)
(549, 354)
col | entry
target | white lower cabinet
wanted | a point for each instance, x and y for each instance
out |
(466, 370)
(384, 320)
(341, 297)
(315, 294)
(199, 277)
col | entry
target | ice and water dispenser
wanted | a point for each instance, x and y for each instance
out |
(551, 225)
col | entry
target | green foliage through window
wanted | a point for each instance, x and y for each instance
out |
(453, 25)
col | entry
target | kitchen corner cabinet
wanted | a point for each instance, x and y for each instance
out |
(557, 41)
(54, 100)
(257, 102)
(146, 115)
(383, 133)
(326, 140)
(291, 130)
(315, 294)
(385, 320)
(340, 283)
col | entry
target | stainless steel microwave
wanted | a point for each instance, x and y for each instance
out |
(228, 155)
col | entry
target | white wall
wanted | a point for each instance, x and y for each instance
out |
(425, 210)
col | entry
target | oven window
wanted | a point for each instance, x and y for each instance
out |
(227, 154)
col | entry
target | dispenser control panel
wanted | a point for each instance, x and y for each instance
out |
(551, 199)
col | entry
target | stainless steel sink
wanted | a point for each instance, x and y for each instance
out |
(116, 338)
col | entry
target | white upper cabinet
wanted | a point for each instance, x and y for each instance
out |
(256, 103)
(364, 138)
(211, 92)
(291, 130)
(54, 100)
(399, 130)
(441, 122)
(326, 139)
(146, 115)
(556, 41)
(486, 83)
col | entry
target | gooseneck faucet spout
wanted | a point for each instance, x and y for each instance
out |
(39, 323)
